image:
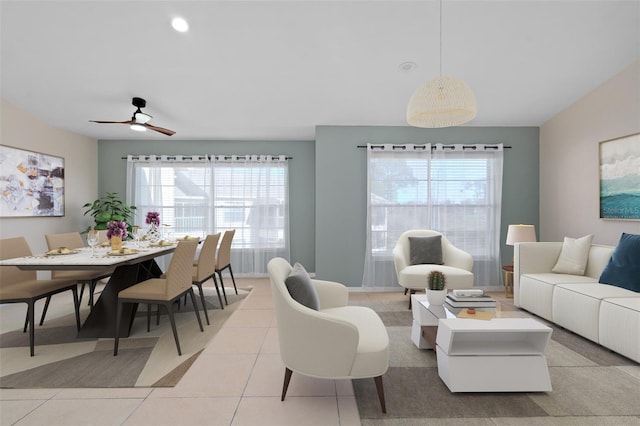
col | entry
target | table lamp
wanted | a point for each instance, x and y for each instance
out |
(521, 234)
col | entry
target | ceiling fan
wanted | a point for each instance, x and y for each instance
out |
(139, 120)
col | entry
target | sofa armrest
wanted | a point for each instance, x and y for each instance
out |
(331, 294)
(532, 258)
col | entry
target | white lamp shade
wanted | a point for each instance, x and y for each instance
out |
(521, 234)
(444, 101)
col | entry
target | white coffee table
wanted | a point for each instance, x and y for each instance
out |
(426, 318)
(499, 355)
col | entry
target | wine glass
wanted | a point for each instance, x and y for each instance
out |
(138, 232)
(92, 240)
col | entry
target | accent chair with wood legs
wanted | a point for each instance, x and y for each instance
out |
(336, 341)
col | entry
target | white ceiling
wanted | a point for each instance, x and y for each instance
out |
(270, 70)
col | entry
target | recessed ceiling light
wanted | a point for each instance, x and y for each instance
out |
(180, 25)
(407, 66)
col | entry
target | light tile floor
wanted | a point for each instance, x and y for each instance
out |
(237, 380)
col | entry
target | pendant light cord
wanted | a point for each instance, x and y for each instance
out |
(440, 12)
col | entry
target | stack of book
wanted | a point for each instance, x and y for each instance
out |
(469, 299)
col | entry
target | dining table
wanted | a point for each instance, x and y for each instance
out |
(130, 266)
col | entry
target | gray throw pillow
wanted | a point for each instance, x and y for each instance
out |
(425, 250)
(300, 287)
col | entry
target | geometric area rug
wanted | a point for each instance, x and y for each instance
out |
(144, 359)
(591, 385)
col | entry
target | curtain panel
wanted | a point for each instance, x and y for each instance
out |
(453, 189)
(207, 194)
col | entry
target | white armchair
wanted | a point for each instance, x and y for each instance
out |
(336, 341)
(457, 264)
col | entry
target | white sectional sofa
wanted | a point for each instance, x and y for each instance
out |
(603, 313)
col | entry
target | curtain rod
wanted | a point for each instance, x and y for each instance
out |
(199, 157)
(402, 146)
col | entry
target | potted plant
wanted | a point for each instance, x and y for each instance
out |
(109, 208)
(436, 293)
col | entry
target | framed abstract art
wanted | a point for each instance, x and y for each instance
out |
(620, 178)
(31, 183)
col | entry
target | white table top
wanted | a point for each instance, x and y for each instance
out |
(83, 260)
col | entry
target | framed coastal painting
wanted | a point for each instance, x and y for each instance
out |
(620, 178)
(31, 183)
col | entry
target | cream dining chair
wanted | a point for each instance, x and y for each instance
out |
(73, 240)
(18, 286)
(223, 260)
(164, 291)
(205, 268)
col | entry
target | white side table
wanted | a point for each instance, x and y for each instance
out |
(500, 355)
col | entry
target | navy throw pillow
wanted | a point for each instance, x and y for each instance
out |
(623, 269)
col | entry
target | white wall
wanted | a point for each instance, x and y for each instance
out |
(21, 130)
(569, 175)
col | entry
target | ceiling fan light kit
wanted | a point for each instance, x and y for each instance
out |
(139, 120)
(444, 101)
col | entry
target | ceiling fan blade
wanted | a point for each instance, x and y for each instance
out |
(111, 122)
(159, 129)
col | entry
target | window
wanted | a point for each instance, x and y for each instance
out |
(450, 189)
(196, 195)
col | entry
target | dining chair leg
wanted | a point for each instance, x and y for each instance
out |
(204, 303)
(215, 283)
(30, 316)
(169, 306)
(148, 317)
(117, 331)
(195, 308)
(26, 322)
(76, 305)
(233, 279)
(82, 291)
(285, 385)
(222, 285)
(380, 390)
(44, 310)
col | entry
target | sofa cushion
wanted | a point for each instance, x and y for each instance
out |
(425, 250)
(623, 269)
(415, 276)
(573, 256)
(301, 288)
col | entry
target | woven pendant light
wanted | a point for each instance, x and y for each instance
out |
(444, 101)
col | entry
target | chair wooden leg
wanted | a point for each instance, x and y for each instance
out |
(117, 331)
(82, 290)
(204, 303)
(222, 285)
(195, 307)
(26, 322)
(285, 385)
(410, 293)
(233, 279)
(215, 283)
(380, 390)
(169, 306)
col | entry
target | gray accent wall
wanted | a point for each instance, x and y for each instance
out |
(341, 186)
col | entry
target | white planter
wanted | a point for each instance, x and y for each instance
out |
(436, 297)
